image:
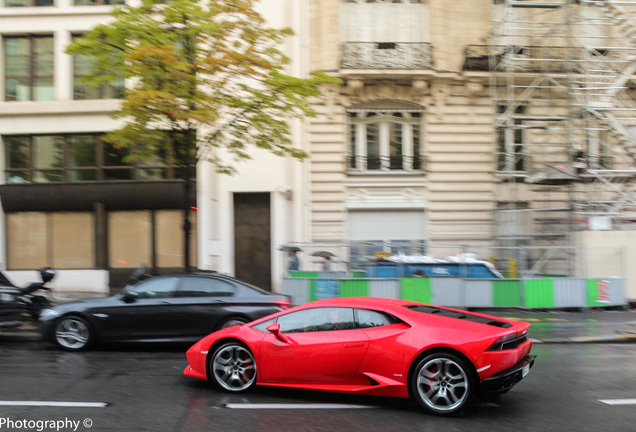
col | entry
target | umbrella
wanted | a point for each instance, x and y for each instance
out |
(323, 254)
(289, 249)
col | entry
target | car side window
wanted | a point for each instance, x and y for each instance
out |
(194, 286)
(262, 327)
(368, 319)
(157, 288)
(318, 319)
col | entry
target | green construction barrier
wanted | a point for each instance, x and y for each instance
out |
(301, 274)
(539, 293)
(416, 289)
(506, 293)
(354, 288)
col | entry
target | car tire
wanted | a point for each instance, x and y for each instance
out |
(232, 367)
(231, 322)
(72, 333)
(442, 384)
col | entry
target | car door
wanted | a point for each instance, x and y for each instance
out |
(146, 313)
(201, 303)
(321, 345)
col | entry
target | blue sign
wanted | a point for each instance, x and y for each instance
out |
(326, 289)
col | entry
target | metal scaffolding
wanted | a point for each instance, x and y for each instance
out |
(562, 76)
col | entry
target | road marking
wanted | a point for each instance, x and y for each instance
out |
(618, 401)
(55, 404)
(295, 406)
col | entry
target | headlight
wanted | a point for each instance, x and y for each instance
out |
(48, 314)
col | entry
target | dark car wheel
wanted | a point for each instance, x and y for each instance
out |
(72, 333)
(232, 322)
(442, 384)
(233, 367)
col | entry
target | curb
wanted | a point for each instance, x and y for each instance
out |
(625, 337)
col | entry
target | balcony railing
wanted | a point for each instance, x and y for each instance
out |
(385, 163)
(553, 59)
(387, 55)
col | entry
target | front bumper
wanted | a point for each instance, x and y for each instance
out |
(506, 379)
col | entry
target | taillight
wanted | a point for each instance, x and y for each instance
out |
(283, 304)
(499, 344)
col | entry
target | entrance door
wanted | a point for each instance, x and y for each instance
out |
(252, 239)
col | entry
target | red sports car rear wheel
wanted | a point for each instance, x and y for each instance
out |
(232, 367)
(442, 384)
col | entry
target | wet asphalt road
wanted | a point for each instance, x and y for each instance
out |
(145, 390)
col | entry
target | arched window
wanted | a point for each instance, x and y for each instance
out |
(385, 137)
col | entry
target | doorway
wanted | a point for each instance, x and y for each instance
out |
(253, 239)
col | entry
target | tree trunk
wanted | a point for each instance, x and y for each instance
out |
(187, 224)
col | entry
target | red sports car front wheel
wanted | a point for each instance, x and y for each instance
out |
(442, 384)
(232, 367)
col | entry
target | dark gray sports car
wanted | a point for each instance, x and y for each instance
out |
(174, 308)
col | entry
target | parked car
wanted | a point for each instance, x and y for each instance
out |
(172, 308)
(19, 304)
(440, 357)
(10, 309)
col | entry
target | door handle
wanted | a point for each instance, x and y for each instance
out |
(354, 345)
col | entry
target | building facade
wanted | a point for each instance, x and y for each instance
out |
(500, 127)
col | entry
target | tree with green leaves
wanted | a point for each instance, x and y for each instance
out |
(203, 78)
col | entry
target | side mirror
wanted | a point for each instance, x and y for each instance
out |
(275, 330)
(130, 297)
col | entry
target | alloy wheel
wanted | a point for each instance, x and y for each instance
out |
(442, 384)
(72, 333)
(233, 367)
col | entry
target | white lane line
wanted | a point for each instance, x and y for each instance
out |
(618, 401)
(294, 406)
(55, 404)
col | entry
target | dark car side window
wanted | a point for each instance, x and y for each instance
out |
(163, 287)
(205, 287)
(368, 319)
(318, 319)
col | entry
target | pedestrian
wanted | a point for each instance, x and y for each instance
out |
(294, 261)
(327, 263)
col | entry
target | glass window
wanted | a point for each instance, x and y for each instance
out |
(37, 239)
(129, 238)
(205, 287)
(82, 153)
(262, 327)
(157, 288)
(385, 140)
(511, 137)
(27, 240)
(384, 21)
(83, 65)
(28, 68)
(78, 253)
(169, 237)
(27, 3)
(75, 157)
(47, 156)
(98, 2)
(318, 319)
(17, 151)
(367, 319)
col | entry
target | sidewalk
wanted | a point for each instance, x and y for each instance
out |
(546, 326)
(585, 326)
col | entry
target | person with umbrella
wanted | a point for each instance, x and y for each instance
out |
(326, 265)
(292, 253)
